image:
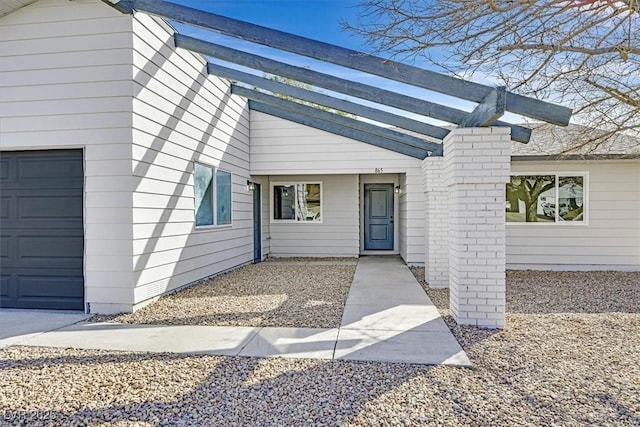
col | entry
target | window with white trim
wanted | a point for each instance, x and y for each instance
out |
(547, 198)
(297, 202)
(212, 195)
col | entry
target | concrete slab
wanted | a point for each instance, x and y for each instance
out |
(17, 326)
(395, 318)
(220, 340)
(430, 348)
(392, 295)
(309, 343)
(388, 318)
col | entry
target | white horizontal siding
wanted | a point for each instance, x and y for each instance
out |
(337, 235)
(282, 147)
(609, 239)
(65, 79)
(181, 115)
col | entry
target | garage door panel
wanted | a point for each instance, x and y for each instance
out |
(4, 246)
(32, 287)
(6, 167)
(41, 172)
(50, 208)
(49, 251)
(4, 208)
(5, 287)
(42, 239)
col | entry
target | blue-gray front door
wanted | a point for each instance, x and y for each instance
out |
(378, 216)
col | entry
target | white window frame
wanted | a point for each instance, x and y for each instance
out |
(557, 222)
(214, 204)
(294, 221)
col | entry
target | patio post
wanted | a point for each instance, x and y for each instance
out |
(476, 169)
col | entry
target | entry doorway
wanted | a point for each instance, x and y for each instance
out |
(378, 217)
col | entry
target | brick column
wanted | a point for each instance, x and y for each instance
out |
(436, 223)
(476, 168)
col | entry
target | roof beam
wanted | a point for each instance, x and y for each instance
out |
(488, 111)
(317, 123)
(329, 101)
(348, 87)
(405, 73)
(313, 112)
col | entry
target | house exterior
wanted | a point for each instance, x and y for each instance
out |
(129, 171)
(607, 235)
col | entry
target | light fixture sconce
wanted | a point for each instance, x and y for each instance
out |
(251, 186)
(397, 189)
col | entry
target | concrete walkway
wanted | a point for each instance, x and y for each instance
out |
(387, 318)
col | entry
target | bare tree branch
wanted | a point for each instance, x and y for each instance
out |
(583, 53)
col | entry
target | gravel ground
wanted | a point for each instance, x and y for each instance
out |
(265, 294)
(572, 363)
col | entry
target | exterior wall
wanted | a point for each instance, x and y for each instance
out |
(436, 224)
(82, 75)
(412, 215)
(182, 115)
(65, 78)
(337, 234)
(610, 239)
(281, 147)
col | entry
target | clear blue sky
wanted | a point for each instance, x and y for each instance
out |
(316, 19)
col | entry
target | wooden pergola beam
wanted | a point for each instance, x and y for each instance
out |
(329, 101)
(327, 116)
(334, 128)
(518, 104)
(336, 84)
(489, 110)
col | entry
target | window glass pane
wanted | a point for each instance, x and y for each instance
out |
(308, 202)
(531, 198)
(223, 197)
(284, 202)
(571, 198)
(203, 179)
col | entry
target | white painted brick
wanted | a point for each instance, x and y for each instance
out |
(476, 166)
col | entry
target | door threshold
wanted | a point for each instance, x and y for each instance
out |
(377, 252)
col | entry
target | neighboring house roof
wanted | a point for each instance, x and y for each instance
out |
(555, 142)
(10, 6)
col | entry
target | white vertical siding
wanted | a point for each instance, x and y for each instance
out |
(609, 239)
(281, 147)
(182, 115)
(65, 79)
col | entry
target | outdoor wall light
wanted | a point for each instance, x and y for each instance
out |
(251, 186)
(397, 189)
